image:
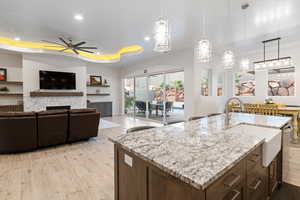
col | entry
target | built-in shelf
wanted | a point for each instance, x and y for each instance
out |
(10, 94)
(11, 83)
(98, 85)
(100, 94)
(55, 94)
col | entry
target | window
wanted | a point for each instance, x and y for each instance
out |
(244, 84)
(220, 84)
(205, 82)
(281, 82)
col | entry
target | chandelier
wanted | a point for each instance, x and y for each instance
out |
(162, 36)
(228, 59)
(264, 64)
(203, 51)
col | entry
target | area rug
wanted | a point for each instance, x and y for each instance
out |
(107, 124)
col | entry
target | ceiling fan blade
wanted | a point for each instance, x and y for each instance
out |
(59, 46)
(79, 44)
(51, 42)
(62, 39)
(85, 51)
(87, 47)
(63, 50)
(75, 51)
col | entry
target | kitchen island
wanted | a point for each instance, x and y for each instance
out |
(200, 159)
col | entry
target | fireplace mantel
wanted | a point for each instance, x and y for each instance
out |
(56, 94)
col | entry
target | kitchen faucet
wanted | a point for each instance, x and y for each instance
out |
(227, 118)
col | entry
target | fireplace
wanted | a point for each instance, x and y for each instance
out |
(58, 107)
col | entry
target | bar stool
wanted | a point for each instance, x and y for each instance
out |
(173, 122)
(196, 118)
(139, 128)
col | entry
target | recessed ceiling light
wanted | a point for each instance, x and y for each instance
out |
(17, 38)
(78, 17)
(147, 38)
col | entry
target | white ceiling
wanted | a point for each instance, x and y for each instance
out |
(116, 23)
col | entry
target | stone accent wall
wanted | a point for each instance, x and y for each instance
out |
(40, 103)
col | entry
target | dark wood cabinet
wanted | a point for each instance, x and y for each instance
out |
(229, 186)
(165, 187)
(131, 177)
(136, 179)
(256, 176)
(275, 174)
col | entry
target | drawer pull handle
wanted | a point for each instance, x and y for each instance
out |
(254, 158)
(236, 195)
(258, 183)
(234, 181)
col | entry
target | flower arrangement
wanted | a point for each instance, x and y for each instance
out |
(269, 100)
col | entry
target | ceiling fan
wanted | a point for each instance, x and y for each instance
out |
(68, 44)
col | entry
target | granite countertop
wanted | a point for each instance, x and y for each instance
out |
(200, 151)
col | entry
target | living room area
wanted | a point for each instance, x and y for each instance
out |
(149, 100)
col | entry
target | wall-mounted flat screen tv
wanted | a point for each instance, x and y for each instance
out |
(51, 80)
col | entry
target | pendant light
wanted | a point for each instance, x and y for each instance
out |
(162, 35)
(228, 57)
(203, 47)
(245, 62)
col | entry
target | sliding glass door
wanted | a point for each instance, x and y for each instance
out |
(157, 97)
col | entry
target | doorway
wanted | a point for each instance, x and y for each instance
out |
(158, 97)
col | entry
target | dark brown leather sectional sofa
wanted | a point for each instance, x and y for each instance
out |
(27, 131)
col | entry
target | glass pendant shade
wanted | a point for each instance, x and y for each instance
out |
(162, 36)
(228, 59)
(245, 65)
(203, 51)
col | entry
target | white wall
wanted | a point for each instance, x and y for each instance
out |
(13, 64)
(31, 66)
(113, 77)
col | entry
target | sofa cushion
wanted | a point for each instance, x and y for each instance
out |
(16, 114)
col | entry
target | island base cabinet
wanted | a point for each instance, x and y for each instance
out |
(130, 176)
(230, 186)
(136, 179)
(165, 187)
(275, 174)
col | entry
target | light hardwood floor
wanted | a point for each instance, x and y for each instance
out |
(83, 171)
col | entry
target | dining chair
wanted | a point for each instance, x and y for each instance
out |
(139, 128)
(250, 108)
(196, 117)
(214, 114)
(268, 109)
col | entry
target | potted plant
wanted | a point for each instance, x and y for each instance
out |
(269, 100)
